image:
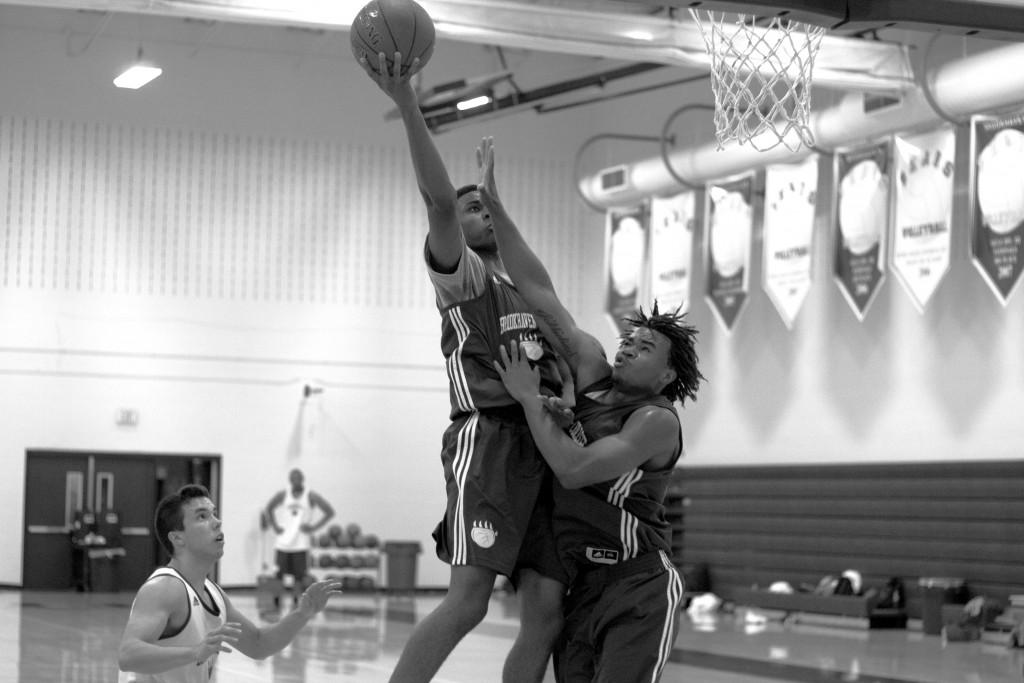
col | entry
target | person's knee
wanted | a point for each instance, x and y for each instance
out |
(541, 604)
(469, 593)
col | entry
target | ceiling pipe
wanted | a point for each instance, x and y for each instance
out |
(986, 82)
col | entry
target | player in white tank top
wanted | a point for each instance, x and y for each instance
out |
(181, 621)
(207, 613)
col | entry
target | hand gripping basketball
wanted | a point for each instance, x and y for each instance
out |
(400, 29)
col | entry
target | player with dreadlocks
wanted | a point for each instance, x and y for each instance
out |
(612, 468)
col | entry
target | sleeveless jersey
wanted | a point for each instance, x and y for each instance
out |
(472, 331)
(616, 520)
(200, 621)
(293, 512)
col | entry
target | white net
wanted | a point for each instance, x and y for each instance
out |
(761, 77)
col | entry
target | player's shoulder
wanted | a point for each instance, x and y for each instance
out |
(656, 415)
(162, 589)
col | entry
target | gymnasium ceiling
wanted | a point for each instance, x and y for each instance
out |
(867, 48)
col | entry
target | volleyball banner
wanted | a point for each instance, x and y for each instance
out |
(790, 196)
(861, 222)
(671, 250)
(923, 225)
(625, 245)
(997, 201)
(730, 221)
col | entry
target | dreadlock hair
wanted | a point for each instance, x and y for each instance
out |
(682, 356)
(169, 516)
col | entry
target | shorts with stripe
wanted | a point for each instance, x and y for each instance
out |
(620, 622)
(493, 474)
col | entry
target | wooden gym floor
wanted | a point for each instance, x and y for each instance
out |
(69, 637)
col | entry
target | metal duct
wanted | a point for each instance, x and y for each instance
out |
(989, 81)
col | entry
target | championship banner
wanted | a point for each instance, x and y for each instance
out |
(790, 194)
(997, 201)
(672, 224)
(730, 221)
(862, 220)
(923, 227)
(625, 243)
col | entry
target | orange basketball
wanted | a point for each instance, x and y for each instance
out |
(391, 26)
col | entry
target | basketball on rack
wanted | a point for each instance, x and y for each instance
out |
(391, 26)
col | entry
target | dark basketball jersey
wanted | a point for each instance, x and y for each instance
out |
(619, 519)
(472, 331)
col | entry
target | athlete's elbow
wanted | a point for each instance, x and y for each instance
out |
(570, 479)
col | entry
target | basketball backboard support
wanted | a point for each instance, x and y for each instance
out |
(989, 19)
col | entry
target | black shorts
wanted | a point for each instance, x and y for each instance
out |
(292, 563)
(539, 551)
(620, 622)
(493, 474)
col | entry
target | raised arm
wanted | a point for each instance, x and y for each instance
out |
(581, 350)
(444, 239)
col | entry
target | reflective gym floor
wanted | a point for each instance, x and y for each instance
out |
(72, 637)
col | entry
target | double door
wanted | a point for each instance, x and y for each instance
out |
(62, 484)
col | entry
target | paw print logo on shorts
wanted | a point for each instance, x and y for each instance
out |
(483, 534)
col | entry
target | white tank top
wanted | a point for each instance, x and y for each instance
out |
(200, 621)
(291, 515)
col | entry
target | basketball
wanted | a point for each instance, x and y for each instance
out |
(391, 26)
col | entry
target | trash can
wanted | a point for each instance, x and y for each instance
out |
(103, 571)
(936, 592)
(401, 558)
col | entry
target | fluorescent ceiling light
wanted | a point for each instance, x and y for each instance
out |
(137, 75)
(473, 102)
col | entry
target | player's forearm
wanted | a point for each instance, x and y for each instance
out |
(565, 457)
(273, 639)
(146, 658)
(431, 173)
(525, 269)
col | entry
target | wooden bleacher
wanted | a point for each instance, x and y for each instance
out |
(754, 525)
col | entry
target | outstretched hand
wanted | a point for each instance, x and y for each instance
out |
(485, 163)
(218, 640)
(314, 598)
(395, 85)
(520, 379)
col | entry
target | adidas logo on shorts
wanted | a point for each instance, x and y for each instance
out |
(483, 534)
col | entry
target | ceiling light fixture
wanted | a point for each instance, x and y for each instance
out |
(473, 102)
(138, 74)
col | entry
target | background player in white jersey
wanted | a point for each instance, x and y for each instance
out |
(613, 472)
(493, 474)
(181, 620)
(294, 528)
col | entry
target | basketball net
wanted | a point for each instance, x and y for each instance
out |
(761, 77)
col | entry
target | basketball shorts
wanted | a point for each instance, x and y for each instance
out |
(539, 551)
(493, 474)
(620, 622)
(292, 564)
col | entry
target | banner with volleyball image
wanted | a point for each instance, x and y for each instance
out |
(790, 199)
(861, 221)
(625, 258)
(923, 224)
(730, 219)
(997, 201)
(671, 250)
